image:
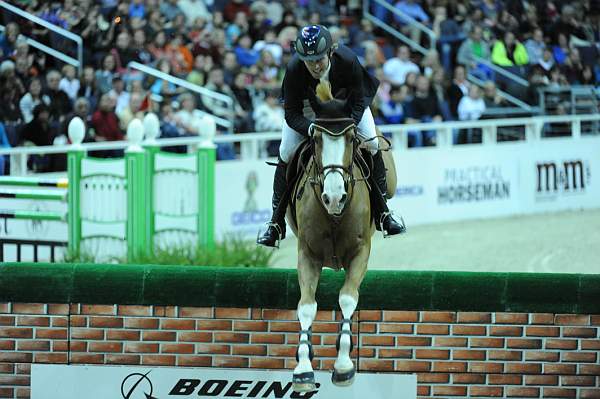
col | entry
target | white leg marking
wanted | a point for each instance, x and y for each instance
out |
(343, 362)
(306, 315)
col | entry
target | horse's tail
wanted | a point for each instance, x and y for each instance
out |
(324, 91)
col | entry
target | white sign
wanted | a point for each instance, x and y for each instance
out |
(50, 381)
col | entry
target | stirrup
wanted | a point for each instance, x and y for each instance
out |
(385, 215)
(277, 228)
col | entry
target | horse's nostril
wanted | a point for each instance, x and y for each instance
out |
(325, 199)
(343, 199)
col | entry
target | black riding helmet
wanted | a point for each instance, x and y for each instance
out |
(313, 42)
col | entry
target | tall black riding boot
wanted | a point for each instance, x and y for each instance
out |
(384, 221)
(276, 227)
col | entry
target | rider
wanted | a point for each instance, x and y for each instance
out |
(317, 59)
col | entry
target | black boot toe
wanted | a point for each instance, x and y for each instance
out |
(393, 227)
(271, 236)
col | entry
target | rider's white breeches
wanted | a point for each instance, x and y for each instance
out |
(291, 139)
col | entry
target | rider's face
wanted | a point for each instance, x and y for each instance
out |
(317, 67)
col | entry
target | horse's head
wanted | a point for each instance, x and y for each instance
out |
(333, 135)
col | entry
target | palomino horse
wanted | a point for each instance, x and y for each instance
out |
(332, 220)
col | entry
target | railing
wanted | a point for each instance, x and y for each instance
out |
(392, 31)
(36, 244)
(510, 98)
(252, 144)
(77, 63)
(225, 123)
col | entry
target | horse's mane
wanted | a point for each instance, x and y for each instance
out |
(324, 91)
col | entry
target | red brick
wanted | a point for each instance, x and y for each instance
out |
(79, 321)
(221, 361)
(282, 350)
(370, 352)
(86, 358)
(393, 328)
(7, 392)
(87, 333)
(578, 381)
(506, 331)
(572, 320)
(413, 341)
(579, 357)
(370, 315)
(541, 380)
(51, 333)
(195, 336)
(432, 354)
(206, 313)
(122, 359)
(401, 316)
(328, 328)
(35, 321)
(474, 317)
(106, 322)
(558, 393)
(523, 368)
(159, 360)
(542, 318)
(423, 390)
(105, 347)
(134, 310)
(165, 311)
(589, 369)
(371, 328)
(543, 356)
(78, 346)
(257, 314)
(485, 367)
(469, 330)
(590, 344)
(514, 392)
(140, 322)
(122, 335)
(60, 321)
(61, 346)
(450, 367)
(136, 347)
(505, 379)
(395, 353)
(322, 315)
(505, 355)
(438, 317)
(524, 343)
(24, 393)
(486, 342)
(213, 349)
(564, 369)
(194, 361)
(441, 390)
(223, 325)
(232, 313)
(433, 329)
(159, 335)
(6, 368)
(267, 338)
(376, 365)
(266, 363)
(561, 344)
(24, 368)
(511, 318)
(28, 308)
(279, 314)
(450, 342)
(595, 320)
(533, 331)
(16, 332)
(14, 380)
(412, 366)
(589, 393)
(232, 337)
(251, 350)
(33, 345)
(284, 326)
(580, 332)
(177, 348)
(496, 392)
(53, 358)
(468, 379)
(4, 307)
(178, 324)
(378, 340)
(7, 320)
(433, 378)
(254, 325)
(108, 310)
(74, 308)
(7, 345)
(468, 355)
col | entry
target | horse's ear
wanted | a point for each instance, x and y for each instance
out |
(314, 101)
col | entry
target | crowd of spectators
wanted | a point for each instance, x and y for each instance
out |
(240, 48)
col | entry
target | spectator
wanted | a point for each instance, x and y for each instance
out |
(32, 98)
(156, 23)
(547, 61)
(123, 52)
(179, 55)
(270, 44)
(137, 9)
(536, 46)
(509, 52)
(133, 109)
(472, 48)
(412, 9)
(393, 110)
(193, 9)
(139, 47)
(268, 117)
(164, 87)
(232, 8)
(169, 9)
(560, 51)
(449, 33)
(243, 104)
(267, 77)
(259, 24)
(105, 75)
(567, 25)
(69, 83)
(81, 109)
(246, 56)
(471, 106)
(431, 63)
(457, 89)
(396, 69)
(119, 94)
(188, 118)
(106, 124)
(325, 9)
(60, 104)
(573, 67)
(491, 97)
(39, 132)
(8, 39)
(424, 107)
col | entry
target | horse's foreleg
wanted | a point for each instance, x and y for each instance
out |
(343, 368)
(308, 277)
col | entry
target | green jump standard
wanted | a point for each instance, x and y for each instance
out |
(205, 286)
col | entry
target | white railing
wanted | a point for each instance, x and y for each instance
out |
(77, 63)
(253, 144)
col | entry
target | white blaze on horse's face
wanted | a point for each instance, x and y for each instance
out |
(334, 193)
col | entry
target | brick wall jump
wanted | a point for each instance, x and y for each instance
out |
(454, 354)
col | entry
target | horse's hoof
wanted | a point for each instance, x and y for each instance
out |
(344, 379)
(304, 382)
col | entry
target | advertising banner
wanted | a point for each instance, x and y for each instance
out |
(123, 382)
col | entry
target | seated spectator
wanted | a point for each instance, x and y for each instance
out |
(424, 107)
(396, 69)
(246, 56)
(39, 132)
(237, 28)
(412, 9)
(393, 110)
(244, 104)
(509, 52)
(106, 123)
(194, 9)
(536, 46)
(69, 82)
(547, 61)
(60, 104)
(560, 51)
(268, 116)
(81, 109)
(457, 89)
(179, 56)
(472, 48)
(270, 44)
(133, 109)
(123, 52)
(258, 22)
(325, 9)
(491, 97)
(187, 119)
(104, 76)
(471, 106)
(449, 33)
(164, 87)
(8, 38)
(32, 98)
(267, 76)
(232, 8)
(119, 93)
(573, 67)
(139, 46)
(170, 9)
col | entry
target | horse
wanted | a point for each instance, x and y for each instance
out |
(331, 216)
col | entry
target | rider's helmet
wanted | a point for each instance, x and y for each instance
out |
(313, 42)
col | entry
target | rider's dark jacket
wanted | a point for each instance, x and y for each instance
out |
(346, 72)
